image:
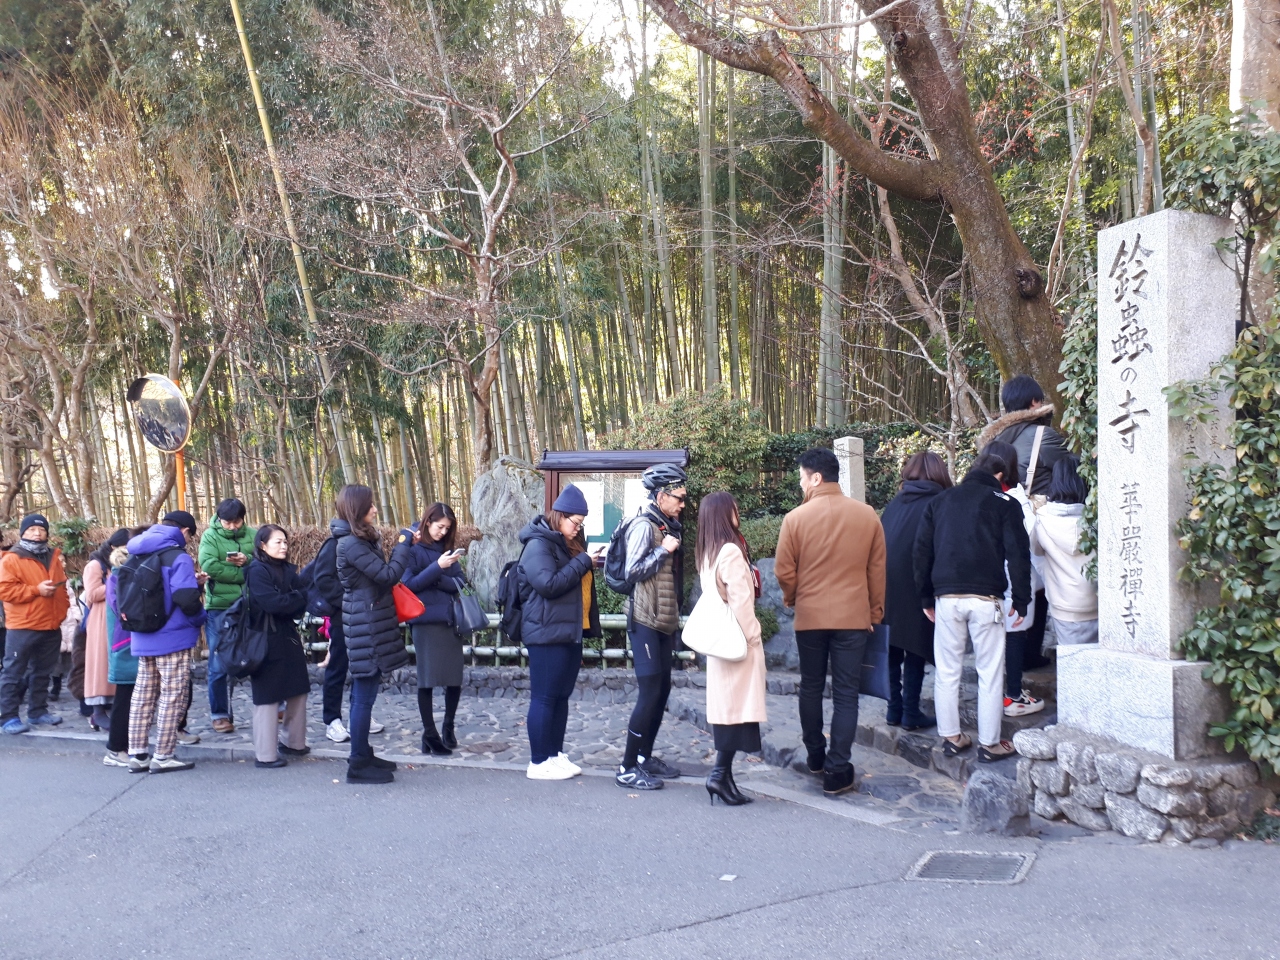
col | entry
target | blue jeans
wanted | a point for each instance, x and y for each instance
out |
(906, 677)
(364, 690)
(219, 694)
(553, 673)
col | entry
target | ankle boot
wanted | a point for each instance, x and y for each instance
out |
(432, 744)
(719, 784)
(447, 734)
(733, 787)
(363, 771)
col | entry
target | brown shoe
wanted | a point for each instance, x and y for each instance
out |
(223, 725)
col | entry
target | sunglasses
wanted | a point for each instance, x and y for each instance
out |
(679, 498)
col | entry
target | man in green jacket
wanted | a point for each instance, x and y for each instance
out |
(226, 548)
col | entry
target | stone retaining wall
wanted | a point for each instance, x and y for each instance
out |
(1101, 784)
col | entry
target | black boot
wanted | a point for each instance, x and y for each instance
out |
(447, 734)
(431, 742)
(55, 688)
(719, 784)
(363, 771)
(733, 787)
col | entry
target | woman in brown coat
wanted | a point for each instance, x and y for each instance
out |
(735, 688)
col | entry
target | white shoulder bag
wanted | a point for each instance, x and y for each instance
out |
(712, 629)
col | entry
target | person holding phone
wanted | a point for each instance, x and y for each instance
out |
(435, 575)
(226, 548)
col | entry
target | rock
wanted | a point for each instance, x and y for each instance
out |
(1215, 830)
(1024, 777)
(1205, 843)
(780, 649)
(957, 767)
(1084, 816)
(1093, 795)
(1131, 818)
(1249, 801)
(1050, 778)
(1159, 775)
(1207, 778)
(992, 804)
(503, 500)
(1078, 760)
(916, 749)
(1179, 803)
(1221, 799)
(1240, 774)
(1117, 772)
(1046, 805)
(885, 739)
(1035, 745)
(1184, 828)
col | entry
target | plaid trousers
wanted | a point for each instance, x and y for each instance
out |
(162, 681)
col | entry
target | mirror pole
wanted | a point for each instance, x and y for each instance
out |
(180, 477)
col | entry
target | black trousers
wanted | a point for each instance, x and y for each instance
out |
(842, 650)
(335, 674)
(1023, 646)
(118, 732)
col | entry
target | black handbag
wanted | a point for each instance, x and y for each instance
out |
(468, 615)
(243, 644)
(875, 663)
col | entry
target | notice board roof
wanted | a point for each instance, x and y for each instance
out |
(621, 461)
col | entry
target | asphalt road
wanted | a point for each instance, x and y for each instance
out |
(228, 861)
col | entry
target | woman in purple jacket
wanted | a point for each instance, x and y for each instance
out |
(435, 575)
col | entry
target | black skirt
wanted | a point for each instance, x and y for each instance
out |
(742, 737)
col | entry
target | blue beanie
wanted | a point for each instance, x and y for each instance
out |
(571, 502)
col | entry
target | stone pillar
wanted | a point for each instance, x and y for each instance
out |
(1167, 306)
(853, 477)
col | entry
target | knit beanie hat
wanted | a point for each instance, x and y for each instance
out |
(120, 538)
(571, 502)
(32, 520)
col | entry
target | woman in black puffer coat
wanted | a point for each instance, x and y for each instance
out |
(274, 591)
(375, 642)
(558, 608)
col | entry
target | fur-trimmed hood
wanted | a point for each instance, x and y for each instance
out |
(1045, 413)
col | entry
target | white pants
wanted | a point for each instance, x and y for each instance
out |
(956, 620)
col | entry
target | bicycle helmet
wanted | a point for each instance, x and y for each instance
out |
(664, 476)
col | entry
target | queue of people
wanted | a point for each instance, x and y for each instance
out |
(981, 561)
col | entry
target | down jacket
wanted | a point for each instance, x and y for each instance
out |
(181, 594)
(375, 642)
(551, 588)
(434, 585)
(1019, 429)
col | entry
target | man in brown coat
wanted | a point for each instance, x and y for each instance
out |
(830, 565)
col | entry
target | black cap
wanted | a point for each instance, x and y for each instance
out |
(120, 538)
(181, 519)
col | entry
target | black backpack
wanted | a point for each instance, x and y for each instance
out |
(317, 604)
(140, 591)
(509, 599)
(243, 644)
(615, 559)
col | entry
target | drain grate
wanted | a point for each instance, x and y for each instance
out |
(968, 866)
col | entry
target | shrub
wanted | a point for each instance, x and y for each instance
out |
(72, 534)
(1079, 390)
(768, 623)
(725, 437)
(761, 535)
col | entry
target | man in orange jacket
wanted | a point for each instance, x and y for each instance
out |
(33, 586)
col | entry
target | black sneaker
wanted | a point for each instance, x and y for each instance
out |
(380, 764)
(834, 784)
(816, 762)
(657, 767)
(289, 751)
(271, 764)
(636, 779)
(362, 771)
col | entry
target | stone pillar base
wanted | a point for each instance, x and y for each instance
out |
(1162, 706)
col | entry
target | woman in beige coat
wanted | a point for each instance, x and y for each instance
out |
(98, 690)
(735, 688)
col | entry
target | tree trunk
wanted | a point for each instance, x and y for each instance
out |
(1016, 320)
(707, 178)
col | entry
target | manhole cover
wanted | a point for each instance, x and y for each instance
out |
(967, 866)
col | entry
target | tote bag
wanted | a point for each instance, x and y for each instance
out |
(712, 629)
(468, 615)
(875, 663)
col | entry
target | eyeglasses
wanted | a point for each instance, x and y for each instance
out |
(678, 497)
(576, 521)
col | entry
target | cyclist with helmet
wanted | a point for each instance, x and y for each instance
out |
(653, 620)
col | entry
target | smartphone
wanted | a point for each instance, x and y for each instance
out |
(232, 553)
(456, 553)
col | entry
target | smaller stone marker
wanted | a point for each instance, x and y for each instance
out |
(853, 475)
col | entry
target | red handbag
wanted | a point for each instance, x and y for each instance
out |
(408, 606)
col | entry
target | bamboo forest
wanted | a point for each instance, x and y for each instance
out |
(397, 240)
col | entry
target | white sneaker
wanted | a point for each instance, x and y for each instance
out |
(1023, 705)
(375, 726)
(564, 761)
(188, 738)
(112, 759)
(549, 769)
(337, 732)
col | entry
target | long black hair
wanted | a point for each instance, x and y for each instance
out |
(438, 511)
(264, 534)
